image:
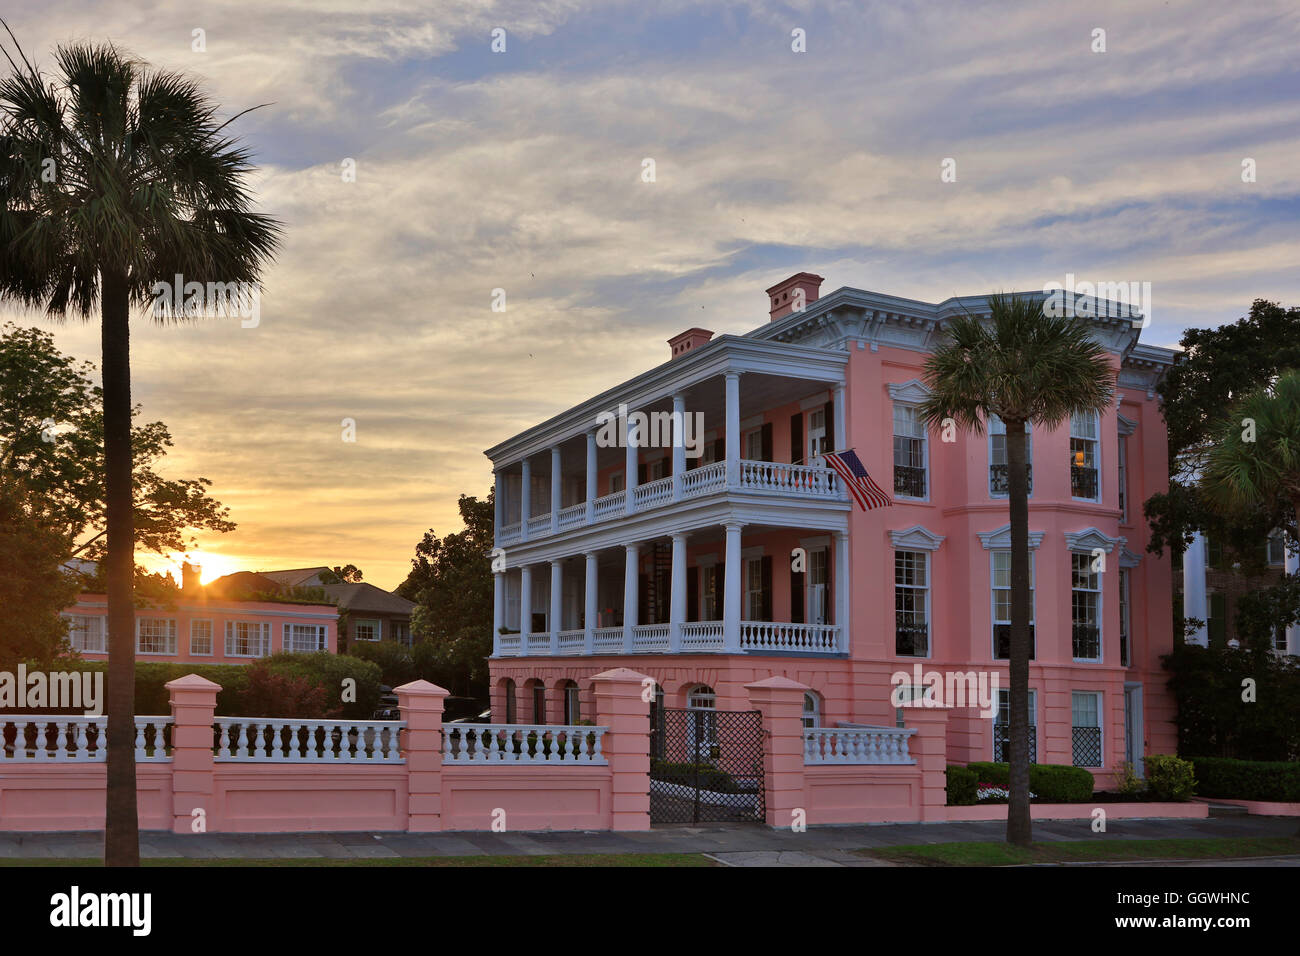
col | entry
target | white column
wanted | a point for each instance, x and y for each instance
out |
(498, 610)
(555, 489)
(591, 596)
(631, 593)
(731, 592)
(841, 438)
(1194, 603)
(629, 466)
(677, 604)
(843, 613)
(1292, 567)
(557, 612)
(591, 474)
(498, 507)
(733, 429)
(525, 500)
(525, 607)
(679, 444)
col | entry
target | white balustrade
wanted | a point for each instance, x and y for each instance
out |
(539, 525)
(857, 745)
(805, 481)
(522, 744)
(653, 492)
(607, 640)
(539, 642)
(509, 643)
(571, 640)
(574, 516)
(702, 636)
(650, 637)
(73, 739)
(510, 534)
(291, 740)
(706, 478)
(778, 636)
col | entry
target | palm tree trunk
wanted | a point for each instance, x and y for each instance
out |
(121, 837)
(1019, 827)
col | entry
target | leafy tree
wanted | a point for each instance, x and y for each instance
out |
(1024, 367)
(451, 582)
(115, 177)
(348, 574)
(34, 588)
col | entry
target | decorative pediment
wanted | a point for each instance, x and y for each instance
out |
(1125, 426)
(916, 538)
(1000, 540)
(913, 392)
(1091, 540)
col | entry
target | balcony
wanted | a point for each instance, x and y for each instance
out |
(709, 637)
(1083, 482)
(1087, 642)
(998, 480)
(909, 481)
(796, 483)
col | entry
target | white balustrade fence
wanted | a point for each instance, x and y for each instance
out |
(573, 516)
(71, 739)
(698, 481)
(702, 636)
(522, 744)
(811, 481)
(651, 637)
(777, 636)
(607, 639)
(653, 492)
(291, 740)
(857, 745)
(608, 505)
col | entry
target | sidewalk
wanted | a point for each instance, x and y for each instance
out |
(737, 845)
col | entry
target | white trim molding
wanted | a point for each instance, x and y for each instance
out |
(912, 392)
(1125, 426)
(916, 538)
(1090, 540)
(1127, 559)
(1000, 540)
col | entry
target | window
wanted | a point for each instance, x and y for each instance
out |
(1085, 607)
(1086, 731)
(572, 708)
(511, 714)
(754, 445)
(86, 632)
(817, 441)
(539, 702)
(654, 470)
(201, 638)
(616, 483)
(998, 487)
(401, 632)
(1123, 479)
(701, 726)
(1084, 456)
(1002, 727)
(712, 597)
(369, 630)
(248, 639)
(1276, 549)
(816, 607)
(155, 635)
(909, 452)
(1002, 605)
(754, 589)
(304, 638)
(811, 711)
(911, 604)
(1124, 616)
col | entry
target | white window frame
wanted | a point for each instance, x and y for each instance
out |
(997, 428)
(169, 637)
(711, 601)
(753, 568)
(1275, 540)
(1099, 591)
(816, 609)
(1126, 617)
(263, 639)
(748, 440)
(921, 559)
(321, 641)
(994, 620)
(923, 438)
(1100, 725)
(1005, 692)
(817, 443)
(812, 710)
(211, 650)
(573, 702)
(1077, 434)
(379, 625)
(87, 625)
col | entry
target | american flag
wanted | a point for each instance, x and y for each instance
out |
(865, 491)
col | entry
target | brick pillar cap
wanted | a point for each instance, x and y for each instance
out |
(422, 688)
(620, 673)
(191, 682)
(777, 683)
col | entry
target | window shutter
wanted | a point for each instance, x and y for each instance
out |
(766, 574)
(797, 453)
(720, 588)
(796, 597)
(765, 439)
(830, 427)
(641, 473)
(692, 594)
(720, 449)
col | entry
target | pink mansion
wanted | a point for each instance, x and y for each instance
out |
(743, 557)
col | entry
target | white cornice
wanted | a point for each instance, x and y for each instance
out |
(913, 391)
(916, 538)
(1000, 539)
(1090, 540)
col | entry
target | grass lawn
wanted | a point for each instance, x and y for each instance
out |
(1084, 851)
(576, 859)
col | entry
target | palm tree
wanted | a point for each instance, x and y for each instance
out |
(1024, 367)
(114, 177)
(1255, 462)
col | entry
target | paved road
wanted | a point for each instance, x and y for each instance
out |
(734, 844)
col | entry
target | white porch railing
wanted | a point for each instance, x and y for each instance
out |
(706, 478)
(539, 642)
(573, 516)
(522, 744)
(74, 739)
(509, 643)
(651, 637)
(607, 639)
(510, 533)
(803, 481)
(571, 640)
(289, 740)
(539, 524)
(777, 636)
(702, 636)
(857, 745)
(608, 505)
(653, 492)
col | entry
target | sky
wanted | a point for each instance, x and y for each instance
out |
(522, 170)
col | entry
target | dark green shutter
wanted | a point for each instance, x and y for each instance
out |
(765, 439)
(766, 576)
(796, 596)
(797, 453)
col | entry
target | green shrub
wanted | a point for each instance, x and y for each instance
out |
(1170, 777)
(1247, 779)
(961, 786)
(1050, 782)
(1129, 783)
(395, 663)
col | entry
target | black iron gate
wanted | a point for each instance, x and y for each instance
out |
(706, 766)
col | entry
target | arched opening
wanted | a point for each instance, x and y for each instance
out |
(572, 705)
(508, 688)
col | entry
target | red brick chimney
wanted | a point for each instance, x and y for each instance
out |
(793, 294)
(191, 575)
(684, 342)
